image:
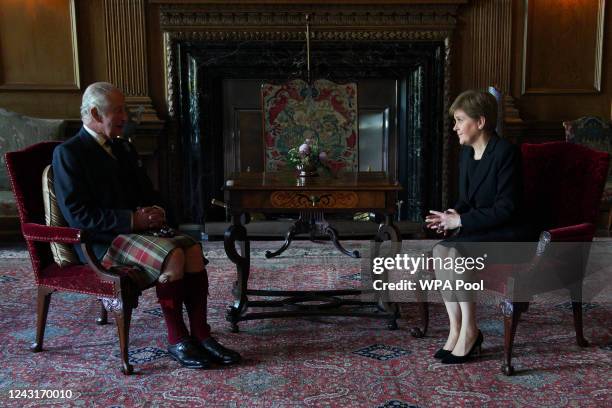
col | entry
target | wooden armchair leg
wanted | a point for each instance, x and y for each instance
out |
(102, 319)
(576, 295)
(419, 332)
(577, 310)
(512, 313)
(423, 306)
(123, 318)
(42, 309)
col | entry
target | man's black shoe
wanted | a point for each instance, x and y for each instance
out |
(219, 354)
(188, 354)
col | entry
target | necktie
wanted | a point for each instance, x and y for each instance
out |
(109, 146)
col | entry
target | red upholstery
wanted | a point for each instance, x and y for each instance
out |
(44, 233)
(25, 168)
(76, 278)
(575, 233)
(563, 186)
(563, 182)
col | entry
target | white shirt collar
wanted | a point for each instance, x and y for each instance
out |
(100, 139)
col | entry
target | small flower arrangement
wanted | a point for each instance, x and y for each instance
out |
(307, 157)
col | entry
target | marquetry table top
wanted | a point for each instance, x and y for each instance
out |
(359, 181)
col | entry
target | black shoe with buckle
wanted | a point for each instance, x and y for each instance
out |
(219, 354)
(188, 354)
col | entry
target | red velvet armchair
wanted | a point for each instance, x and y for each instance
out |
(113, 286)
(563, 184)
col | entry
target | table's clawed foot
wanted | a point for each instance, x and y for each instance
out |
(333, 235)
(293, 231)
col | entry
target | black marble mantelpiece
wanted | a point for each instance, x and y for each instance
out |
(418, 66)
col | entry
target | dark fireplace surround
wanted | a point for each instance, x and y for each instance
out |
(197, 63)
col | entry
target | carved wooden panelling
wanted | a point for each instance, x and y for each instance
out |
(323, 199)
(563, 46)
(127, 54)
(127, 63)
(38, 45)
(489, 35)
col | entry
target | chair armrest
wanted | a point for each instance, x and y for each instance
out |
(45, 233)
(126, 287)
(574, 233)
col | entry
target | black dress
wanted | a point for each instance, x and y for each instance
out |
(490, 198)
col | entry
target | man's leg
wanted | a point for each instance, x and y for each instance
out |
(171, 295)
(196, 291)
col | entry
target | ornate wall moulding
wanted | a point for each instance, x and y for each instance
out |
(182, 17)
(172, 38)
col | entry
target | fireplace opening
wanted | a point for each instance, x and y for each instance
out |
(400, 100)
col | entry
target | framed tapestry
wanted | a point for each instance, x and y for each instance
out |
(324, 112)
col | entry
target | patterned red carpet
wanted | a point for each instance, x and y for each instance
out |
(314, 362)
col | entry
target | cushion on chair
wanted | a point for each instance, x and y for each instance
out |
(63, 254)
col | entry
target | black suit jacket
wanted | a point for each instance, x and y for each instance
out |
(96, 192)
(490, 203)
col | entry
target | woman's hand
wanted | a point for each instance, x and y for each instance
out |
(443, 221)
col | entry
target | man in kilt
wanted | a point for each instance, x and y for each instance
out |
(101, 187)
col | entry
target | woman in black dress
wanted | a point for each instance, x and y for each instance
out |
(488, 210)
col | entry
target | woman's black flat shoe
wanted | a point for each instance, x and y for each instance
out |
(440, 354)
(476, 349)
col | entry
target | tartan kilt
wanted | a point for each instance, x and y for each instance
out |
(147, 252)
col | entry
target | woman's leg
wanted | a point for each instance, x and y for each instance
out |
(467, 304)
(469, 329)
(452, 307)
(455, 319)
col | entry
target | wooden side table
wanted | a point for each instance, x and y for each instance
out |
(312, 197)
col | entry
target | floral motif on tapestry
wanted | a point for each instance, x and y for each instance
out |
(324, 112)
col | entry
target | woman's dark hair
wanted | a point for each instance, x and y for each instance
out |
(476, 104)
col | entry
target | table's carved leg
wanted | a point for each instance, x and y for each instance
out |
(295, 229)
(388, 231)
(237, 232)
(333, 235)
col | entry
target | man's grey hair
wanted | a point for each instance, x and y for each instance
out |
(96, 96)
